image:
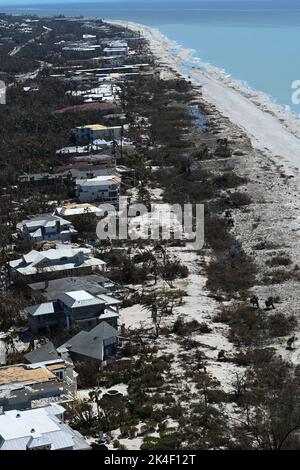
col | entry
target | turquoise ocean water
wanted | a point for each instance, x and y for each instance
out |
(255, 41)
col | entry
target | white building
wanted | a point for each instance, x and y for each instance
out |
(58, 262)
(117, 43)
(73, 210)
(113, 51)
(92, 132)
(102, 93)
(39, 429)
(102, 188)
(46, 227)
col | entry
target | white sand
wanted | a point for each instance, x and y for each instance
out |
(270, 127)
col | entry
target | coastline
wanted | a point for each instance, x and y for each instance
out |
(271, 129)
(270, 166)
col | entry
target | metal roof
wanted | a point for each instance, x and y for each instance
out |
(79, 299)
(42, 309)
(19, 430)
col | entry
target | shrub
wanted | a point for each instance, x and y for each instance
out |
(279, 261)
(144, 412)
(189, 343)
(239, 199)
(228, 180)
(88, 373)
(217, 234)
(235, 200)
(216, 396)
(257, 357)
(279, 276)
(246, 324)
(281, 325)
(174, 269)
(149, 443)
(226, 277)
(117, 445)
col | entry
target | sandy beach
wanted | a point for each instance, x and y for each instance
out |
(274, 214)
(272, 129)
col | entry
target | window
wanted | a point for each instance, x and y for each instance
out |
(59, 374)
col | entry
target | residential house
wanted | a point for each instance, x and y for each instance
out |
(115, 51)
(68, 174)
(43, 179)
(95, 284)
(101, 189)
(99, 344)
(118, 43)
(105, 93)
(46, 227)
(26, 386)
(74, 210)
(39, 429)
(73, 308)
(112, 61)
(50, 264)
(93, 132)
(44, 354)
(103, 159)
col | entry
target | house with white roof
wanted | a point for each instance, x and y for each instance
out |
(79, 307)
(93, 132)
(104, 188)
(115, 51)
(63, 260)
(72, 210)
(39, 429)
(107, 92)
(46, 227)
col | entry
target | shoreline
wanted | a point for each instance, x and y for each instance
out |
(271, 129)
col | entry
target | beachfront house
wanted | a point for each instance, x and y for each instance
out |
(115, 51)
(104, 188)
(63, 260)
(99, 344)
(93, 132)
(39, 429)
(117, 43)
(46, 227)
(72, 210)
(95, 284)
(73, 308)
(106, 93)
(26, 386)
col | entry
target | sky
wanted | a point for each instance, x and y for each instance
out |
(32, 2)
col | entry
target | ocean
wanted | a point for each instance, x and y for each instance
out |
(253, 41)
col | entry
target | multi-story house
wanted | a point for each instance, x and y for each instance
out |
(102, 188)
(64, 260)
(46, 227)
(39, 429)
(74, 308)
(93, 132)
(26, 386)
